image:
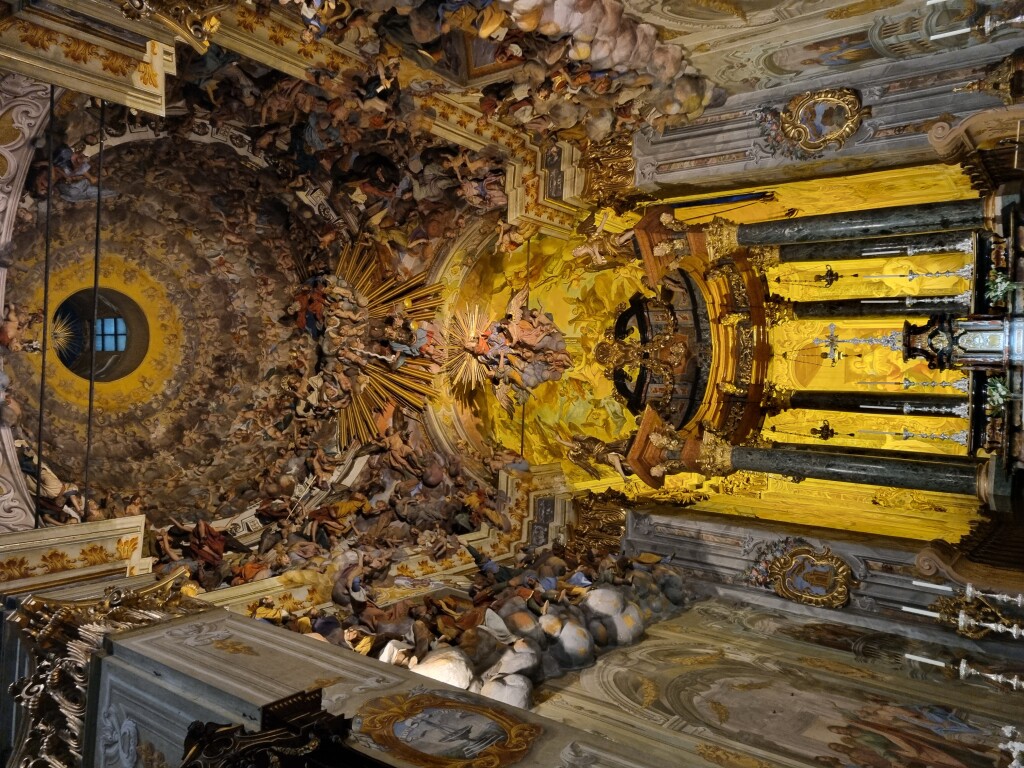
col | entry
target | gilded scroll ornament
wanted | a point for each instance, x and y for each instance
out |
(804, 575)
(763, 257)
(812, 123)
(610, 167)
(817, 120)
(599, 523)
(778, 312)
(194, 20)
(62, 637)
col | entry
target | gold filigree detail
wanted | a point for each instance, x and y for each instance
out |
(715, 457)
(905, 498)
(778, 312)
(96, 554)
(599, 524)
(837, 667)
(381, 716)
(763, 257)
(698, 661)
(37, 37)
(721, 711)
(78, 51)
(15, 568)
(193, 20)
(970, 615)
(819, 119)
(649, 692)
(235, 647)
(150, 757)
(56, 561)
(147, 75)
(309, 50)
(278, 33)
(117, 63)
(610, 169)
(126, 547)
(720, 237)
(815, 578)
(860, 8)
(248, 18)
(1001, 80)
(726, 758)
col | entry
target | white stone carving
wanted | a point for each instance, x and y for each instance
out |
(119, 738)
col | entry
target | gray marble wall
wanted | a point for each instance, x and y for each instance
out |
(722, 557)
(727, 149)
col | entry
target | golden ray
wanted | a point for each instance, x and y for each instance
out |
(61, 334)
(411, 383)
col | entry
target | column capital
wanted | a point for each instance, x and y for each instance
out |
(763, 257)
(720, 237)
(715, 457)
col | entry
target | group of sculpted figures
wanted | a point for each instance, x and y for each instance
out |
(519, 352)
(578, 71)
(550, 612)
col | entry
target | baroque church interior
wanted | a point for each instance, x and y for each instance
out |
(472, 383)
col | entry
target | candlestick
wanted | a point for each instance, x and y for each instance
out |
(924, 660)
(921, 612)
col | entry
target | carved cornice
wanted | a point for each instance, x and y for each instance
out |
(972, 137)
(942, 559)
(36, 46)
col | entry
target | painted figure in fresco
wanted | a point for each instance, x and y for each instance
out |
(75, 181)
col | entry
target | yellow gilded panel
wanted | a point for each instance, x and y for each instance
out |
(901, 186)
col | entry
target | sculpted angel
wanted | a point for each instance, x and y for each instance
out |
(585, 451)
(514, 354)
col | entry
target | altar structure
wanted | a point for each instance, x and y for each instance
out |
(614, 385)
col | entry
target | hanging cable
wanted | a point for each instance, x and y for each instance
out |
(522, 419)
(95, 310)
(46, 307)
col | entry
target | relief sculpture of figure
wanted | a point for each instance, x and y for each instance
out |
(605, 249)
(585, 451)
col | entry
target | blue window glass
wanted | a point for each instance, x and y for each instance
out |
(111, 334)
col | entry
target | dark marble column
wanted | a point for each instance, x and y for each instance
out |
(882, 307)
(881, 403)
(852, 225)
(957, 241)
(932, 475)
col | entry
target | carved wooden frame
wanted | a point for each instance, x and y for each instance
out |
(836, 597)
(380, 716)
(844, 98)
